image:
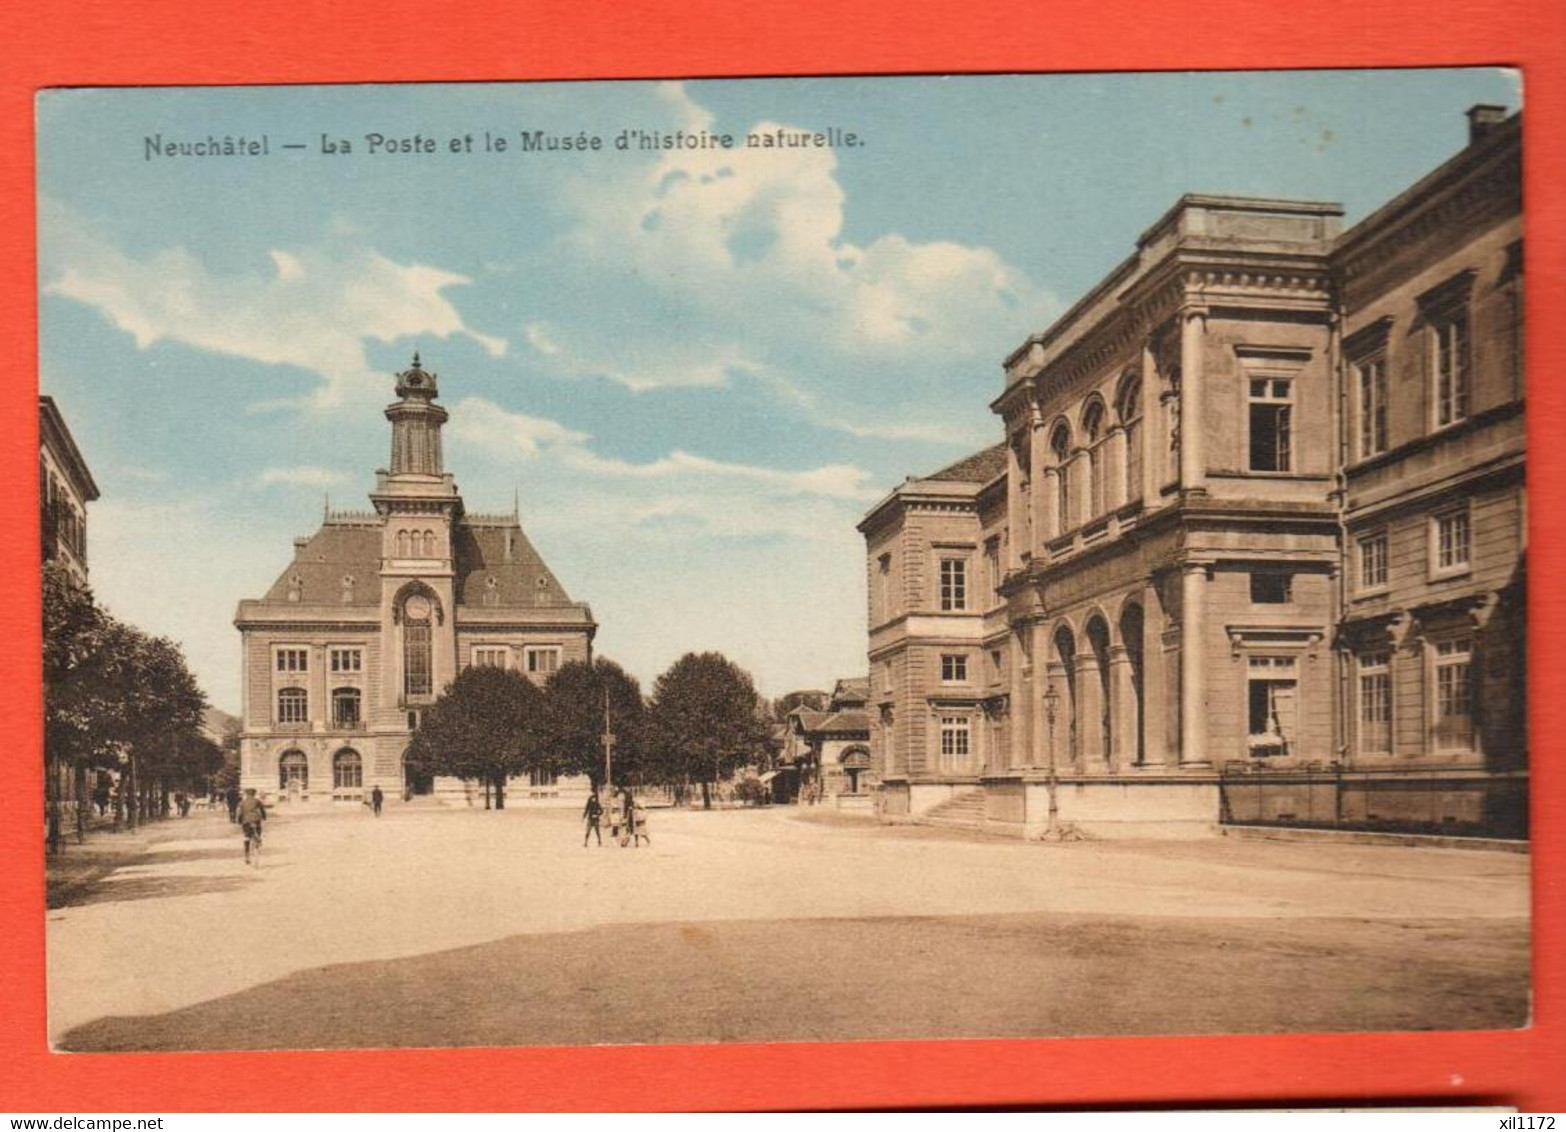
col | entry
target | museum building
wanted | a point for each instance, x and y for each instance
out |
(1251, 548)
(378, 611)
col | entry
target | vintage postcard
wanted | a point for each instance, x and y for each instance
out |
(784, 560)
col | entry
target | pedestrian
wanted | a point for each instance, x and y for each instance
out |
(376, 800)
(638, 822)
(593, 814)
(100, 795)
(182, 803)
(232, 798)
(251, 813)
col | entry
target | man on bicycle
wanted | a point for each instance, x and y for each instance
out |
(251, 814)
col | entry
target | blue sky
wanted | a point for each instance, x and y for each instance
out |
(698, 369)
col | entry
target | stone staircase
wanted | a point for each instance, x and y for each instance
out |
(964, 810)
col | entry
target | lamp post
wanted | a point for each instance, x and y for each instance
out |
(1051, 704)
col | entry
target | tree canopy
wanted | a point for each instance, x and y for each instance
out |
(575, 699)
(705, 720)
(118, 698)
(486, 726)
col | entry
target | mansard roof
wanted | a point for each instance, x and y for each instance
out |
(340, 550)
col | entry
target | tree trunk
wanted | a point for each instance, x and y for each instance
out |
(83, 801)
(130, 793)
(500, 791)
(486, 791)
(706, 795)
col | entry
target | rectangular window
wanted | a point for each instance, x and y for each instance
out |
(1452, 542)
(954, 584)
(1268, 587)
(955, 742)
(542, 661)
(883, 588)
(293, 660)
(491, 656)
(293, 705)
(997, 668)
(1273, 693)
(347, 660)
(1375, 702)
(954, 668)
(1373, 561)
(1454, 696)
(418, 679)
(1271, 410)
(345, 707)
(1372, 406)
(1450, 361)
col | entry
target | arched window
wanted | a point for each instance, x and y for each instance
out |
(417, 665)
(429, 544)
(1060, 448)
(293, 772)
(1129, 407)
(1092, 440)
(402, 544)
(293, 705)
(345, 707)
(347, 770)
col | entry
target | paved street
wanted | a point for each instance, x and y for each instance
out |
(433, 927)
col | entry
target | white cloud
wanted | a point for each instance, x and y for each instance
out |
(315, 309)
(742, 256)
(504, 434)
(300, 476)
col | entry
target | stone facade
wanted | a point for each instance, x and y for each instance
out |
(1161, 600)
(831, 747)
(65, 487)
(378, 612)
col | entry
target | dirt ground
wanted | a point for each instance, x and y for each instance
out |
(435, 928)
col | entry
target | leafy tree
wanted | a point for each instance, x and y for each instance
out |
(807, 697)
(574, 702)
(114, 697)
(486, 726)
(704, 721)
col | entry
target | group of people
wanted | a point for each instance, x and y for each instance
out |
(628, 825)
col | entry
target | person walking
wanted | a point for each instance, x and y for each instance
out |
(251, 813)
(638, 823)
(232, 798)
(376, 800)
(593, 815)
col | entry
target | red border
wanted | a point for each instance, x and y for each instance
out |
(71, 42)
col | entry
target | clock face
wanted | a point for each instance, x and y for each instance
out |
(418, 607)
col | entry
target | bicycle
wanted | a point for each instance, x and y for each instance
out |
(253, 843)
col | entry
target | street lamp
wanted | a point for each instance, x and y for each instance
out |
(1051, 704)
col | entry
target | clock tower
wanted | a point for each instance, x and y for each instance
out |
(419, 506)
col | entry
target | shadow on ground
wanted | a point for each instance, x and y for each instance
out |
(86, 878)
(1025, 975)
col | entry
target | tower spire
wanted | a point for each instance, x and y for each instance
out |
(416, 422)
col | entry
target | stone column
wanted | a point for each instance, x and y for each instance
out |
(1193, 682)
(320, 708)
(1090, 711)
(1153, 430)
(1123, 722)
(1019, 716)
(1116, 489)
(1014, 516)
(1193, 445)
(1156, 684)
(1048, 491)
(1056, 751)
(1036, 461)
